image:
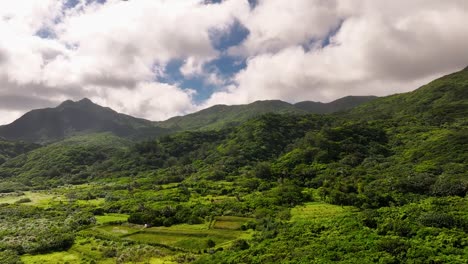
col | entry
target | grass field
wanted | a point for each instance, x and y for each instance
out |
(177, 237)
(41, 199)
(52, 258)
(188, 240)
(318, 211)
(230, 222)
(87, 250)
(110, 218)
(93, 202)
(117, 230)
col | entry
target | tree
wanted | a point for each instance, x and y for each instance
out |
(210, 243)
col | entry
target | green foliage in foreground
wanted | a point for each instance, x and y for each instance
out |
(31, 230)
(431, 231)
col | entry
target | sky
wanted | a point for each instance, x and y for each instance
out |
(160, 58)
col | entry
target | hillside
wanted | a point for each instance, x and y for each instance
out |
(220, 116)
(11, 149)
(68, 161)
(339, 105)
(386, 180)
(444, 100)
(74, 118)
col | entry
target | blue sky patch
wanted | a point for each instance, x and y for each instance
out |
(236, 34)
(225, 67)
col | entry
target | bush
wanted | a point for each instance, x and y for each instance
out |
(23, 200)
(437, 219)
(109, 253)
(240, 244)
(9, 257)
(394, 246)
(210, 243)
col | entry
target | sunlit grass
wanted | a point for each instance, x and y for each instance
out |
(109, 218)
(40, 199)
(52, 258)
(318, 211)
(93, 202)
(230, 222)
(117, 230)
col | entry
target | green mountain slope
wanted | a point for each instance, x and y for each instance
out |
(220, 116)
(69, 161)
(444, 100)
(11, 149)
(341, 104)
(74, 118)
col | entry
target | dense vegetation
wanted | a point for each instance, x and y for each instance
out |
(11, 149)
(385, 182)
(220, 116)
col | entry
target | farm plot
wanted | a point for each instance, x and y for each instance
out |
(111, 218)
(318, 211)
(178, 237)
(184, 238)
(230, 222)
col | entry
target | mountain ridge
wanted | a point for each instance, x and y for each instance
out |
(235, 114)
(72, 118)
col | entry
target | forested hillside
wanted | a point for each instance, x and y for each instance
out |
(384, 182)
(11, 149)
(220, 116)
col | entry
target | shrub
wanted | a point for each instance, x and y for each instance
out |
(23, 200)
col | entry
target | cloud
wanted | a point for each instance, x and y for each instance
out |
(136, 39)
(380, 48)
(278, 24)
(117, 52)
(154, 101)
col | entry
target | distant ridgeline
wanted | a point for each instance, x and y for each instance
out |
(84, 117)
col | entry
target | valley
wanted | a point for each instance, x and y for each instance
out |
(385, 181)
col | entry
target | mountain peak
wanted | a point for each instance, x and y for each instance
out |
(72, 118)
(85, 101)
(82, 102)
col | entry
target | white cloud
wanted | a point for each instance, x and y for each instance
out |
(278, 24)
(382, 47)
(6, 116)
(151, 100)
(27, 17)
(115, 50)
(126, 39)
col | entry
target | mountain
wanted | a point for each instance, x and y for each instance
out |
(342, 104)
(444, 100)
(73, 118)
(84, 117)
(220, 116)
